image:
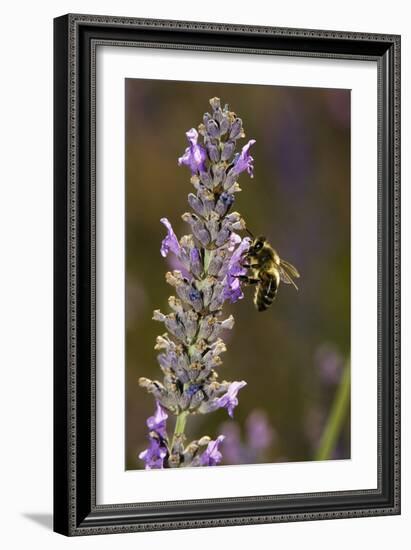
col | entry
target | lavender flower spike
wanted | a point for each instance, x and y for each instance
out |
(195, 155)
(208, 274)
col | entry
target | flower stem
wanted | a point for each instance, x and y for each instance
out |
(335, 420)
(180, 425)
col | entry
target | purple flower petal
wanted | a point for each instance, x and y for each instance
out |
(170, 242)
(157, 422)
(232, 287)
(195, 155)
(155, 454)
(244, 161)
(212, 456)
(229, 399)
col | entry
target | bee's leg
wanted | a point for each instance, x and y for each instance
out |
(247, 280)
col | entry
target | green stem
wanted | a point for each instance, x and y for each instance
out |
(335, 420)
(180, 426)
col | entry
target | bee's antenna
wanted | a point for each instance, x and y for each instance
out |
(249, 232)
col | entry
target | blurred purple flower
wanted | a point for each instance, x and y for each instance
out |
(170, 242)
(330, 363)
(212, 456)
(259, 437)
(233, 449)
(195, 155)
(229, 399)
(260, 434)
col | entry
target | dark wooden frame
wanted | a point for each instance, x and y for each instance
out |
(76, 38)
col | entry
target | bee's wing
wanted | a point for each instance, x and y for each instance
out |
(285, 277)
(289, 268)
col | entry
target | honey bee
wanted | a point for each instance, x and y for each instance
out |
(267, 269)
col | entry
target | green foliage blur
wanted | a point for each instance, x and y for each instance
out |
(291, 355)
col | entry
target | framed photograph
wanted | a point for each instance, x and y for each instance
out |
(227, 279)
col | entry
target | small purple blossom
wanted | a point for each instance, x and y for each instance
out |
(157, 422)
(195, 155)
(244, 161)
(229, 399)
(155, 454)
(212, 456)
(232, 286)
(170, 242)
(157, 450)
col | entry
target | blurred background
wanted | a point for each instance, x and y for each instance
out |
(293, 356)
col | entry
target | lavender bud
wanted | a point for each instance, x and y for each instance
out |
(208, 200)
(228, 150)
(176, 305)
(216, 262)
(223, 236)
(236, 130)
(196, 265)
(224, 203)
(196, 400)
(207, 290)
(206, 180)
(191, 324)
(212, 128)
(196, 204)
(198, 228)
(224, 126)
(215, 103)
(218, 174)
(206, 326)
(213, 225)
(213, 152)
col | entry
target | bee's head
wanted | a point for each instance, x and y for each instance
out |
(257, 245)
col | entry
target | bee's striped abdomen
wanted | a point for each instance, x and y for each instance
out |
(265, 292)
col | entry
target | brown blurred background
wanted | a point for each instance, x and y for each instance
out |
(292, 355)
